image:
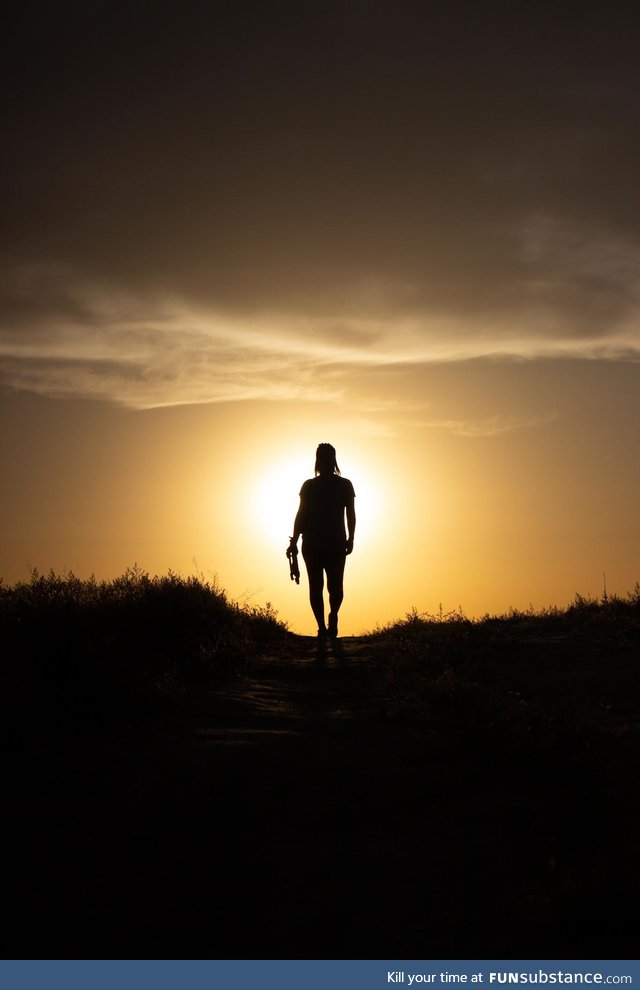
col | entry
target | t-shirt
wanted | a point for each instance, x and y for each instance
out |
(323, 503)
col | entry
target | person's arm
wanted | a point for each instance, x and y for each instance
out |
(351, 524)
(297, 526)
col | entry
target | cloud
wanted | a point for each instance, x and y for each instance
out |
(489, 426)
(268, 211)
(96, 341)
(581, 282)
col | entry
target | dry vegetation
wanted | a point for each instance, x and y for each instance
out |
(186, 777)
(526, 681)
(100, 656)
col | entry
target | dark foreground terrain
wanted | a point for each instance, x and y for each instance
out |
(443, 790)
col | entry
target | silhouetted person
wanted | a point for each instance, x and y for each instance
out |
(325, 500)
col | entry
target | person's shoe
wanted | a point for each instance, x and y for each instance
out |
(333, 624)
(322, 633)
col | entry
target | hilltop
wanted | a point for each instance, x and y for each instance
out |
(186, 778)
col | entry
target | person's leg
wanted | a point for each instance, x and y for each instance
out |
(335, 586)
(316, 583)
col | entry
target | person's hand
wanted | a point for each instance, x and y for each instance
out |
(349, 546)
(292, 548)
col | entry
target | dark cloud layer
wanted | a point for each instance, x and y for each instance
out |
(468, 171)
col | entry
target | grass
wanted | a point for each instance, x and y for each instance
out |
(532, 718)
(439, 788)
(101, 655)
(525, 682)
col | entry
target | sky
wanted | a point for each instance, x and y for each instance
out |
(412, 230)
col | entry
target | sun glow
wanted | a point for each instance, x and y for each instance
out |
(276, 499)
(268, 486)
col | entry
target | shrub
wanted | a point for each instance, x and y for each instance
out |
(109, 648)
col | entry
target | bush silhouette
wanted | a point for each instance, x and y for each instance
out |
(82, 651)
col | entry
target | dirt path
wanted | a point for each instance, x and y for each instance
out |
(305, 690)
(287, 814)
(262, 821)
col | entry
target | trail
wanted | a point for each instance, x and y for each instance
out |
(286, 812)
(315, 688)
(270, 818)
(319, 806)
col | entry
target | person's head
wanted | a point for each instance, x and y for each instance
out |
(326, 459)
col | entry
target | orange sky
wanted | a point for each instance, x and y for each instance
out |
(487, 514)
(413, 236)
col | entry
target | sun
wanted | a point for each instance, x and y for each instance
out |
(275, 499)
